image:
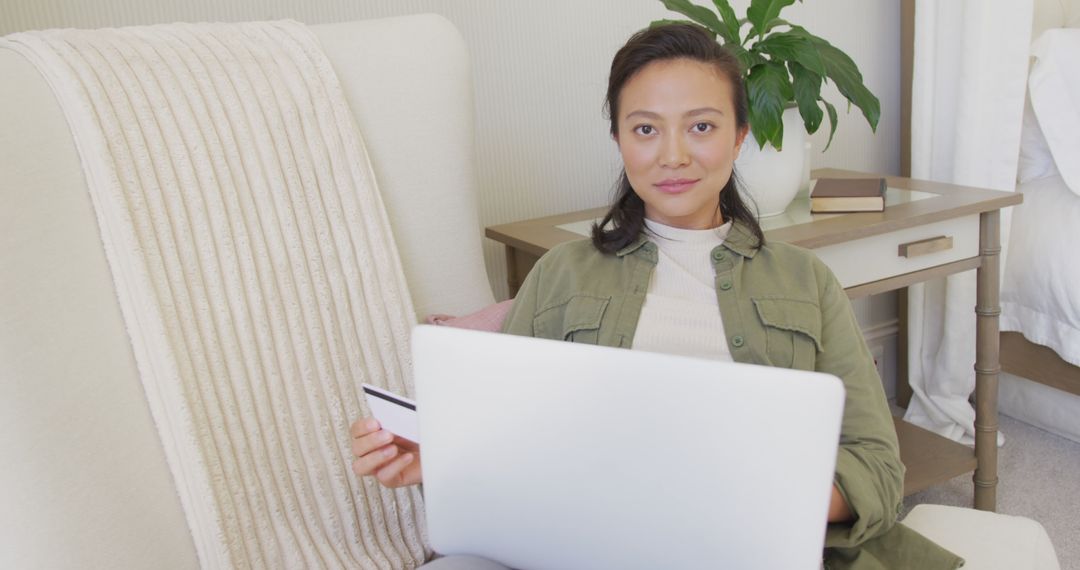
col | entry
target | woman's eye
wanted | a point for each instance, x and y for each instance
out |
(702, 127)
(644, 129)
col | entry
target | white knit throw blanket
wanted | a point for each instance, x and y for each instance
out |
(257, 274)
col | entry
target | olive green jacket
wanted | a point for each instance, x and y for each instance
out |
(780, 306)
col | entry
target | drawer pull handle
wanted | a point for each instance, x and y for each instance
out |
(925, 246)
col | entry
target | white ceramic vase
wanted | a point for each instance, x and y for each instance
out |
(770, 177)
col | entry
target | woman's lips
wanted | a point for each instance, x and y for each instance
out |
(675, 185)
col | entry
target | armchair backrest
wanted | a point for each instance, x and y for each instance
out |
(85, 482)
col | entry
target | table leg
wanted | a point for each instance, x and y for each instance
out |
(987, 364)
(518, 265)
(903, 383)
(513, 280)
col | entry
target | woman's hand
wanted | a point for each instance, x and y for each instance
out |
(839, 511)
(393, 460)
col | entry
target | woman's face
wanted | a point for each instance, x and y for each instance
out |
(678, 140)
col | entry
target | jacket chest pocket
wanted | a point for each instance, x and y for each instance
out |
(576, 320)
(792, 331)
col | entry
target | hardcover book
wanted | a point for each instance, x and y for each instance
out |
(848, 195)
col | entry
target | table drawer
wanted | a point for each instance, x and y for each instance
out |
(877, 257)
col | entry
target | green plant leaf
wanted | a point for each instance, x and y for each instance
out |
(727, 14)
(747, 58)
(776, 22)
(832, 123)
(768, 89)
(703, 16)
(807, 87)
(789, 46)
(845, 74)
(761, 13)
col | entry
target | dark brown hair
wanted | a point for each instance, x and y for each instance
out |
(662, 43)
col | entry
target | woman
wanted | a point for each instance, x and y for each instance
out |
(680, 265)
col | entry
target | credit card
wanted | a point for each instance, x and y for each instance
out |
(396, 414)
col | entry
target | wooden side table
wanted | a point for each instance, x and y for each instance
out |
(927, 230)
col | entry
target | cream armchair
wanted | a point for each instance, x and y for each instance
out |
(85, 482)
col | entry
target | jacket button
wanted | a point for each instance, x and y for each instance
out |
(736, 341)
(725, 285)
(718, 255)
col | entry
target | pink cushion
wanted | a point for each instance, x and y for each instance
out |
(490, 318)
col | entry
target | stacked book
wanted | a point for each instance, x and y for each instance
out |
(848, 195)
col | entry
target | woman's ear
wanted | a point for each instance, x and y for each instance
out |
(740, 136)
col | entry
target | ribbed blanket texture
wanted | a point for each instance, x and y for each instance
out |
(257, 274)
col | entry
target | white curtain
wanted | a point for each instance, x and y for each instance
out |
(970, 72)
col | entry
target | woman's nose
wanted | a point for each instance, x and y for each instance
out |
(674, 152)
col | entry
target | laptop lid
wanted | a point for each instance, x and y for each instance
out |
(547, 454)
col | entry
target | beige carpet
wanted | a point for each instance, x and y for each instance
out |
(1039, 477)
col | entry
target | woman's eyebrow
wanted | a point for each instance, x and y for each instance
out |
(642, 113)
(703, 111)
(690, 113)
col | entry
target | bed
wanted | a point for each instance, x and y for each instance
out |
(1040, 295)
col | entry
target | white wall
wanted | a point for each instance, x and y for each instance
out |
(540, 71)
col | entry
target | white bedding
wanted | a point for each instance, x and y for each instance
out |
(1040, 295)
(1040, 298)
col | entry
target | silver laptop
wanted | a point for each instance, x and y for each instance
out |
(545, 454)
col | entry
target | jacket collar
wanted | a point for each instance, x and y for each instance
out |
(739, 240)
(635, 245)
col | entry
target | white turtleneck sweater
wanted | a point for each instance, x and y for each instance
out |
(680, 314)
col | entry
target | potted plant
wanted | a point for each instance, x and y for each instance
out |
(784, 68)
